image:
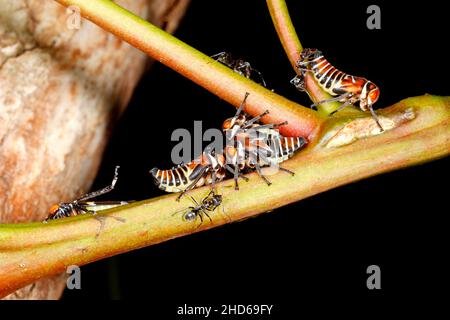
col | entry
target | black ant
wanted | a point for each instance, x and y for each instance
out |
(208, 204)
(239, 66)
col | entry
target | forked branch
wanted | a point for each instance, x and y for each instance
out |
(292, 46)
(340, 153)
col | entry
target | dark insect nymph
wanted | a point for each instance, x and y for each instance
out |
(240, 66)
(81, 206)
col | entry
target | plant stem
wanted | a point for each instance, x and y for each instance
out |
(196, 66)
(31, 251)
(292, 46)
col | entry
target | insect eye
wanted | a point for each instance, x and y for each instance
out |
(374, 95)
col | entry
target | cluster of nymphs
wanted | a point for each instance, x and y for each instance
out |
(250, 145)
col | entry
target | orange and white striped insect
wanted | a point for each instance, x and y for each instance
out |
(343, 87)
(253, 145)
(250, 145)
(209, 168)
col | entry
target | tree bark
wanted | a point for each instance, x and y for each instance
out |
(61, 90)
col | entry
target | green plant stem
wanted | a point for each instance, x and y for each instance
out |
(292, 46)
(31, 251)
(196, 66)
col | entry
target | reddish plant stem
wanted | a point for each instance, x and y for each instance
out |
(292, 46)
(198, 67)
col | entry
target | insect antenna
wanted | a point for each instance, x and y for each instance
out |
(260, 77)
(101, 191)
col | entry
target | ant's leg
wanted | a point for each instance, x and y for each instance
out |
(210, 192)
(244, 68)
(182, 210)
(201, 220)
(195, 201)
(375, 117)
(104, 190)
(224, 213)
(206, 214)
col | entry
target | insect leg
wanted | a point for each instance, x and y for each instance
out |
(201, 219)
(266, 160)
(219, 55)
(375, 117)
(345, 104)
(192, 185)
(104, 190)
(236, 177)
(251, 121)
(179, 211)
(260, 76)
(241, 107)
(244, 68)
(230, 169)
(299, 83)
(286, 170)
(195, 201)
(258, 169)
(338, 98)
(206, 214)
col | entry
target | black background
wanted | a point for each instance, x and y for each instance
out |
(319, 247)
